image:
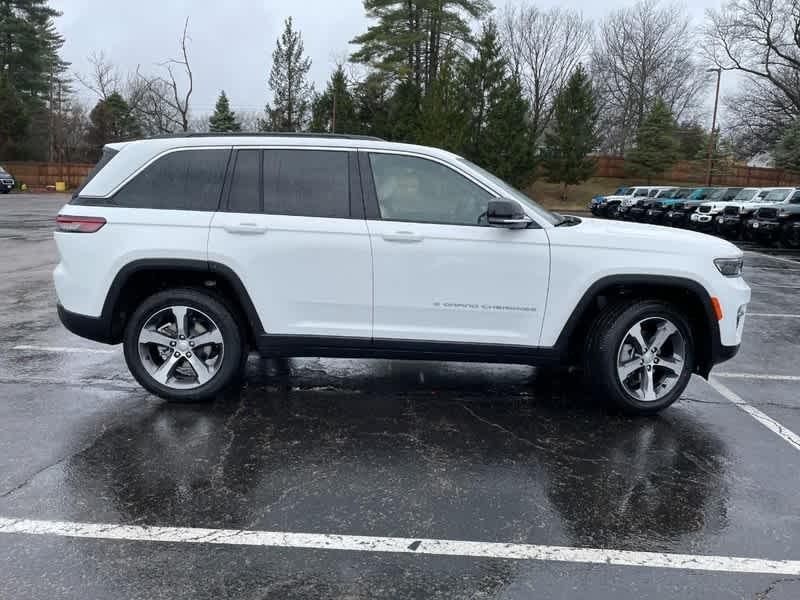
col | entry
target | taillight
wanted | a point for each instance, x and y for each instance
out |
(70, 224)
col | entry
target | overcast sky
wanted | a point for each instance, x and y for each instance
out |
(232, 40)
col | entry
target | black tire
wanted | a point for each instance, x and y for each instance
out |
(612, 212)
(790, 236)
(603, 345)
(233, 358)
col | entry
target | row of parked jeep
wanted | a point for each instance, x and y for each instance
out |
(765, 215)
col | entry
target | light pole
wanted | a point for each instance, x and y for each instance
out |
(713, 125)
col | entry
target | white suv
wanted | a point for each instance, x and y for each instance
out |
(190, 250)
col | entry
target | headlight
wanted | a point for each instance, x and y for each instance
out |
(729, 267)
(783, 213)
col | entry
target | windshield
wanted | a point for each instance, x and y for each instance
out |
(716, 194)
(670, 193)
(683, 193)
(514, 194)
(621, 191)
(777, 195)
(700, 194)
(745, 195)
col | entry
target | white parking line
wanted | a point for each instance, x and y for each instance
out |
(787, 434)
(66, 350)
(765, 377)
(436, 547)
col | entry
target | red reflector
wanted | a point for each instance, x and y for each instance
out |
(70, 224)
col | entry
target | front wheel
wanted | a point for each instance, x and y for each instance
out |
(184, 345)
(790, 236)
(640, 357)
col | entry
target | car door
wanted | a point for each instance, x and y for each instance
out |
(439, 272)
(292, 228)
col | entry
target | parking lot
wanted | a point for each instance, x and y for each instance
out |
(379, 479)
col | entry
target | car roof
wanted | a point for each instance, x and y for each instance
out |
(135, 154)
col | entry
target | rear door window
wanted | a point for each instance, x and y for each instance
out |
(181, 180)
(306, 183)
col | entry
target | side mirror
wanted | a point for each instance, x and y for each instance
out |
(506, 213)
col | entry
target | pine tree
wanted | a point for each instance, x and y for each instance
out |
(288, 81)
(372, 105)
(484, 78)
(223, 118)
(334, 111)
(657, 146)
(442, 120)
(404, 113)
(508, 148)
(111, 120)
(787, 151)
(407, 39)
(31, 69)
(572, 134)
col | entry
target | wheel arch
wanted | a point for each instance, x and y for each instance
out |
(689, 295)
(141, 278)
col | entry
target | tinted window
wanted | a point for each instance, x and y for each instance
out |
(183, 180)
(415, 189)
(306, 183)
(795, 199)
(244, 196)
(641, 192)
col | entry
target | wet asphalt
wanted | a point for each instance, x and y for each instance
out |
(464, 452)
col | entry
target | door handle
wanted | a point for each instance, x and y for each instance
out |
(246, 229)
(402, 236)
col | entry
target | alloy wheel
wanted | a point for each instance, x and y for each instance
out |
(181, 347)
(651, 359)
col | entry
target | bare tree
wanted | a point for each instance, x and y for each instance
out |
(104, 78)
(757, 116)
(644, 52)
(543, 48)
(760, 38)
(179, 100)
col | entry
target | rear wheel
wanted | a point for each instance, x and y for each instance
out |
(184, 345)
(640, 357)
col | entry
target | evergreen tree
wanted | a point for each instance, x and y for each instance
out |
(407, 39)
(692, 141)
(111, 120)
(372, 105)
(656, 143)
(508, 148)
(334, 111)
(223, 118)
(403, 113)
(787, 151)
(572, 134)
(484, 79)
(31, 70)
(442, 120)
(288, 81)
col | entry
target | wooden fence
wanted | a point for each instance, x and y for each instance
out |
(694, 171)
(42, 174)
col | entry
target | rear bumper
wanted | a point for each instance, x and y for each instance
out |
(91, 328)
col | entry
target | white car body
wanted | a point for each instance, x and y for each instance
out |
(375, 279)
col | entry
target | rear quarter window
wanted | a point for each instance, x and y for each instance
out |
(180, 180)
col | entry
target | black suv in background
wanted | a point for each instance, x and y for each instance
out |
(6, 181)
(779, 222)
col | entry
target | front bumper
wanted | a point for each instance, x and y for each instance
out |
(764, 229)
(702, 221)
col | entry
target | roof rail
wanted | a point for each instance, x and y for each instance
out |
(295, 134)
